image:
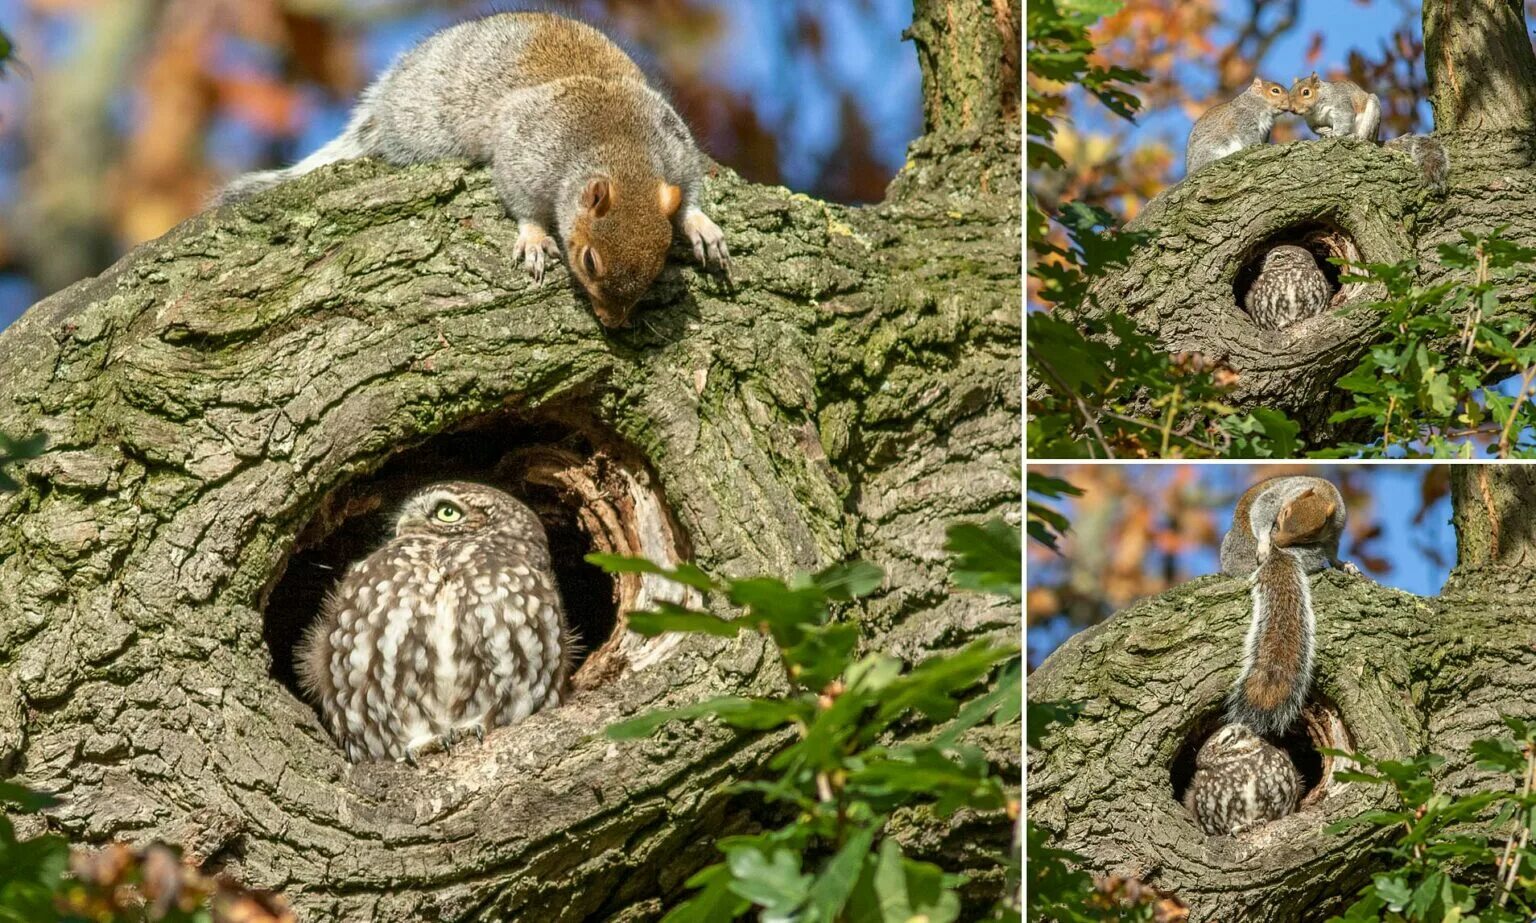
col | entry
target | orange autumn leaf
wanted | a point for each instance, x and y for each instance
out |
(271, 107)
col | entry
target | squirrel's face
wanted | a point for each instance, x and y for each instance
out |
(619, 244)
(1303, 94)
(1273, 94)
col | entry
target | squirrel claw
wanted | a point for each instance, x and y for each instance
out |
(708, 240)
(533, 247)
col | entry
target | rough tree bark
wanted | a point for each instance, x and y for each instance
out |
(1346, 198)
(1397, 675)
(224, 400)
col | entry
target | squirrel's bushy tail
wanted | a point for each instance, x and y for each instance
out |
(1428, 154)
(356, 140)
(1277, 654)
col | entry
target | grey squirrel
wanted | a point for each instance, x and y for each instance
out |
(1341, 109)
(1283, 530)
(1336, 108)
(1333, 108)
(578, 144)
(1228, 127)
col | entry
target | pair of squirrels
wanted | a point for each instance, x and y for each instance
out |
(1283, 530)
(584, 154)
(1332, 108)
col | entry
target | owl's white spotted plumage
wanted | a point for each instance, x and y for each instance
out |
(452, 627)
(1241, 781)
(1289, 289)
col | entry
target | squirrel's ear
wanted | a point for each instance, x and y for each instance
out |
(670, 197)
(1258, 83)
(597, 197)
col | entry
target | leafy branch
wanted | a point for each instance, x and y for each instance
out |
(1425, 389)
(1441, 868)
(840, 773)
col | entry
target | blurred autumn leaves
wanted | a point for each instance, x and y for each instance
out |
(1137, 530)
(133, 111)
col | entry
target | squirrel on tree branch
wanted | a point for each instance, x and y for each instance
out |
(576, 140)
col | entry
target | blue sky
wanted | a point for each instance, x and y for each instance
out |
(1411, 549)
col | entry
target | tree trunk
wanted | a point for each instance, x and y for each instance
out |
(228, 408)
(1396, 675)
(1343, 198)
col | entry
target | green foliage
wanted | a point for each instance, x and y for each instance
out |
(1112, 391)
(43, 881)
(37, 884)
(838, 770)
(1440, 868)
(32, 871)
(1107, 389)
(1045, 524)
(989, 557)
(1424, 391)
(8, 57)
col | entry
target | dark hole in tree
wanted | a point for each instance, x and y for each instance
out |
(1318, 726)
(358, 518)
(1323, 239)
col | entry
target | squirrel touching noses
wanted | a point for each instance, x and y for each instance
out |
(577, 142)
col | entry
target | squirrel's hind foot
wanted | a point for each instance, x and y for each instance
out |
(534, 246)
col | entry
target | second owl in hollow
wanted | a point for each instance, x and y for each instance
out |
(453, 627)
(1289, 288)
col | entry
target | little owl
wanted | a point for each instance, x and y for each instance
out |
(453, 627)
(1289, 289)
(1241, 781)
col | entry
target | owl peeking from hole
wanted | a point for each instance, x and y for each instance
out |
(1289, 289)
(451, 628)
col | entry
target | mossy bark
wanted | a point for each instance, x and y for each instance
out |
(854, 392)
(1405, 674)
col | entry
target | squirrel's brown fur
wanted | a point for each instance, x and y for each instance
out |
(1283, 529)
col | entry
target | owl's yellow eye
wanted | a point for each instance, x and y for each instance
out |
(447, 512)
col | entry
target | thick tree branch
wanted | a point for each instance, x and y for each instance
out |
(1495, 520)
(1346, 198)
(969, 54)
(208, 397)
(228, 395)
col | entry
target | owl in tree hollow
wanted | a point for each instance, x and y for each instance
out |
(1289, 289)
(452, 628)
(1241, 781)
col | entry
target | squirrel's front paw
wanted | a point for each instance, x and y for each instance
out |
(534, 246)
(707, 239)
